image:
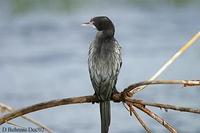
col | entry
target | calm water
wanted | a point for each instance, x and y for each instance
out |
(43, 56)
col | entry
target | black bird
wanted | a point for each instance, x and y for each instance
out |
(104, 64)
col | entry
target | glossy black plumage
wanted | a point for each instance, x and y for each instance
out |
(104, 64)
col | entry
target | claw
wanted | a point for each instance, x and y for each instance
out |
(115, 91)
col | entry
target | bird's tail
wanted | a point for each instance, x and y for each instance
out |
(105, 116)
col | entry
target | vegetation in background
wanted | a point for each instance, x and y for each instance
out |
(23, 6)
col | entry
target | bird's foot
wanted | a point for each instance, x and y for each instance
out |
(115, 91)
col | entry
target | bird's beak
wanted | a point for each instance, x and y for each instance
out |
(89, 24)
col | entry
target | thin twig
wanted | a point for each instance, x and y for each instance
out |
(37, 123)
(166, 106)
(136, 87)
(127, 108)
(148, 130)
(171, 60)
(6, 108)
(156, 117)
(13, 124)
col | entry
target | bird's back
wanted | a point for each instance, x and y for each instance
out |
(104, 65)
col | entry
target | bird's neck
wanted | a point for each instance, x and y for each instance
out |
(106, 34)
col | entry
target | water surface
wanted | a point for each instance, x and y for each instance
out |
(43, 56)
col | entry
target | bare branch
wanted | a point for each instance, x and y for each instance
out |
(166, 106)
(135, 87)
(116, 98)
(44, 105)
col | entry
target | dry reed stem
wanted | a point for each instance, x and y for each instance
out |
(5, 108)
(171, 60)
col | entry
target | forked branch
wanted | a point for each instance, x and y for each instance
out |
(121, 97)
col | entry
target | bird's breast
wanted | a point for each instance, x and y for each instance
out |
(103, 62)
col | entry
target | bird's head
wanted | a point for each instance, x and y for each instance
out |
(101, 23)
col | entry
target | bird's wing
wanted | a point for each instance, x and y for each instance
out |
(119, 57)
